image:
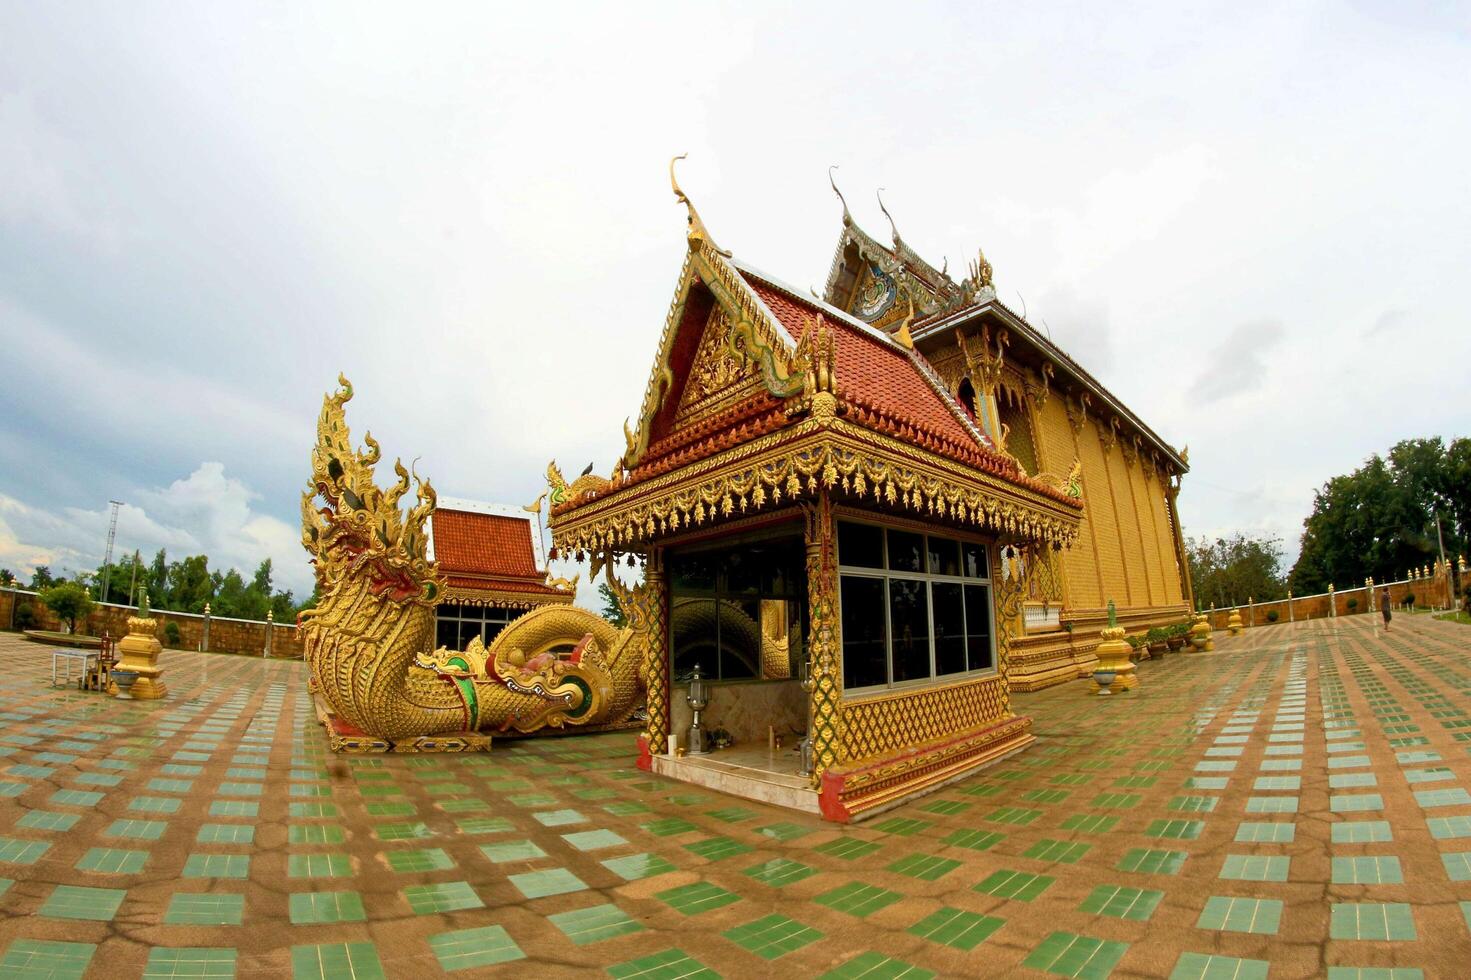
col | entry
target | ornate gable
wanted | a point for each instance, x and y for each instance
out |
(719, 375)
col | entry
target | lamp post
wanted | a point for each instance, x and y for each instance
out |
(698, 700)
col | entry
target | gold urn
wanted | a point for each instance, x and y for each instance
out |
(1200, 633)
(1234, 624)
(1113, 657)
(138, 653)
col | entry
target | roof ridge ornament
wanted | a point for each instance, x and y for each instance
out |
(898, 242)
(697, 230)
(847, 217)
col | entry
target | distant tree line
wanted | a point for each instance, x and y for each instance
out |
(1232, 571)
(180, 586)
(1379, 520)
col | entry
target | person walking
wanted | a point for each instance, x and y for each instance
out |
(1384, 604)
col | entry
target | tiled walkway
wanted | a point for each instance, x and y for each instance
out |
(1293, 805)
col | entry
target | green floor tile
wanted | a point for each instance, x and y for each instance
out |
(1122, 903)
(215, 909)
(318, 866)
(446, 896)
(954, 927)
(671, 964)
(1069, 955)
(1375, 870)
(468, 949)
(320, 907)
(553, 881)
(847, 848)
(772, 936)
(1266, 833)
(1252, 867)
(37, 958)
(107, 860)
(226, 833)
(637, 866)
(512, 850)
(76, 902)
(1209, 966)
(1061, 852)
(336, 961)
(1018, 885)
(1241, 915)
(876, 966)
(1381, 922)
(594, 924)
(425, 859)
(700, 896)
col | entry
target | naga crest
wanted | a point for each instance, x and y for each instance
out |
(358, 529)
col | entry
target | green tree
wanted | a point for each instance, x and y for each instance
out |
(612, 609)
(6, 576)
(189, 585)
(42, 578)
(157, 579)
(1380, 520)
(70, 601)
(1230, 571)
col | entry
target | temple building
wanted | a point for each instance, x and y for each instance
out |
(1049, 415)
(867, 519)
(494, 569)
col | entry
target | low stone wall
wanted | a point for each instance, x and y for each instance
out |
(225, 635)
(1427, 592)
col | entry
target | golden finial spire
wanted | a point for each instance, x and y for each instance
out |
(697, 230)
(847, 218)
(892, 227)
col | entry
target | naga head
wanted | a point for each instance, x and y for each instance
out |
(351, 528)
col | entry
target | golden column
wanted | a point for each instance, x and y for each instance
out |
(824, 653)
(1113, 655)
(139, 652)
(656, 656)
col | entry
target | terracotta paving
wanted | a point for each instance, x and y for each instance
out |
(1293, 805)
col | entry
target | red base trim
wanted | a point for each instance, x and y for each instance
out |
(645, 760)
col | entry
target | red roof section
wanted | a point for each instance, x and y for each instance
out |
(484, 544)
(878, 378)
(502, 585)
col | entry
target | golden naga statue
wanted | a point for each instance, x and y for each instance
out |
(368, 639)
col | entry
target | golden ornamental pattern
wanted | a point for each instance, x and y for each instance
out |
(881, 725)
(829, 741)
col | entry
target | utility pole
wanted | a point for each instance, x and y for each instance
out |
(133, 585)
(1440, 538)
(107, 556)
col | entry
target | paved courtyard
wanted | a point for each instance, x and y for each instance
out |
(1293, 805)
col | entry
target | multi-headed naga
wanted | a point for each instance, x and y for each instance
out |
(368, 641)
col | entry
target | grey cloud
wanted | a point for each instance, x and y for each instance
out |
(1239, 363)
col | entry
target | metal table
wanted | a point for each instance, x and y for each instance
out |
(67, 656)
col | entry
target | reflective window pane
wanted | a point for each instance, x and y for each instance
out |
(693, 571)
(978, 627)
(944, 556)
(974, 560)
(777, 635)
(693, 636)
(906, 551)
(860, 545)
(740, 639)
(864, 647)
(909, 624)
(950, 643)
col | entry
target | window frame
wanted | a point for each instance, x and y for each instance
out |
(884, 573)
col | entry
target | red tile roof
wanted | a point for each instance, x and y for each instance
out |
(501, 585)
(880, 381)
(484, 544)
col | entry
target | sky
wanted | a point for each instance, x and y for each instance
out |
(1250, 221)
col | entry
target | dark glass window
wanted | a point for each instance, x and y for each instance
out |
(974, 559)
(694, 636)
(920, 624)
(865, 646)
(909, 623)
(944, 556)
(906, 551)
(949, 628)
(978, 627)
(446, 634)
(693, 571)
(740, 639)
(718, 599)
(860, 545)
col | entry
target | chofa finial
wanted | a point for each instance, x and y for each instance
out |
(892, 227)
(847, 218)
(697, 230)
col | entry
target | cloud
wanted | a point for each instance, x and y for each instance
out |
(1238, 364)
(1388, 320)
(206, 512)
